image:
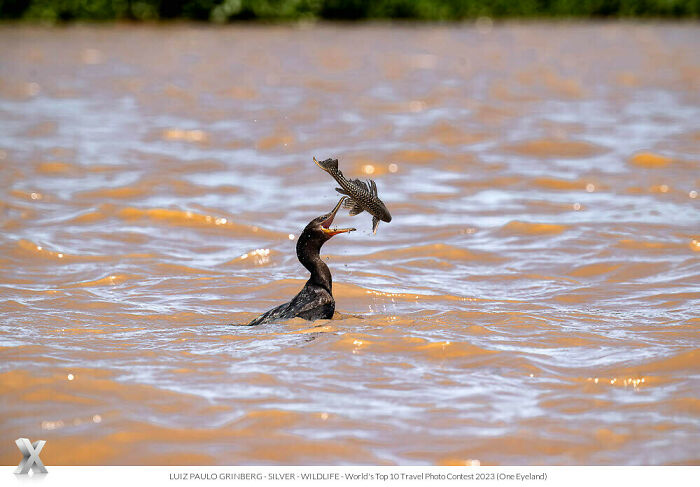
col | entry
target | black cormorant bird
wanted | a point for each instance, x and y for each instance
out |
(315, 301)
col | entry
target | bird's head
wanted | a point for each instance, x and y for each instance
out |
(320, 228)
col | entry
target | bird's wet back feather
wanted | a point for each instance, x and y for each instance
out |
(312, 303)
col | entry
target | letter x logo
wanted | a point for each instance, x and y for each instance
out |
(31, 456)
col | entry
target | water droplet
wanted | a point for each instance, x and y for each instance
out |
(33, 89)
(291, 236)
(92, 56)
(51, 425)
(195, 135)
(393, 167)
(577, 206)
(97, 418)
(416, 106)
(70, 376)
(693, 194)
(590, 187)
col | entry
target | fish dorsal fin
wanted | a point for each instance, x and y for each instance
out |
(360, 184)
(375, 224)
(373, 188)
(355, 209)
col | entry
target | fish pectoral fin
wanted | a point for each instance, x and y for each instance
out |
(375, 224)
(342, 191)
(355, 208)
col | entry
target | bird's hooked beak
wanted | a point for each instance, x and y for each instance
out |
(325, 224)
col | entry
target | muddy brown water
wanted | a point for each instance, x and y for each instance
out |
(534, 300)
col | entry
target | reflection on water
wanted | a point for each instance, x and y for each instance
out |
(534, 299)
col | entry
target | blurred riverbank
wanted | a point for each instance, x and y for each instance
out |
(294, 10)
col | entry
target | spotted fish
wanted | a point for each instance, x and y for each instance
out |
(362, 196)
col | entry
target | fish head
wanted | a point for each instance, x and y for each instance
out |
(384, 214)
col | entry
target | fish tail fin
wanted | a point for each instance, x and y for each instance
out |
(328, 165)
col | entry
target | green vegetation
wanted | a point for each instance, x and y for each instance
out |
(232, 10)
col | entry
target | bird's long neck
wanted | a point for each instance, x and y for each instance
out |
(308, 252)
